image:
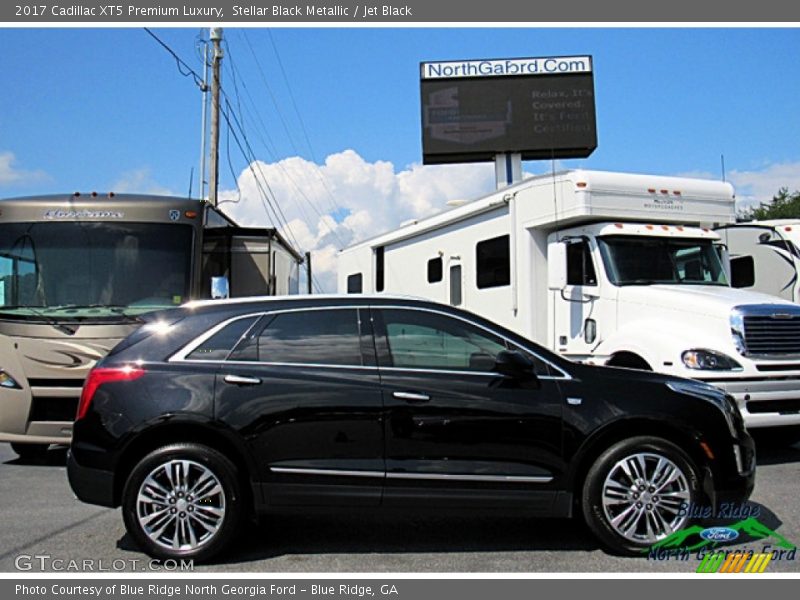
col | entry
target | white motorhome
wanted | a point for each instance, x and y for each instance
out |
(765, 256)
(610, 268)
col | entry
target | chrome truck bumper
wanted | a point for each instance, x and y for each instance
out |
(764, 402)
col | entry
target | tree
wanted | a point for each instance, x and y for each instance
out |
(782, 206)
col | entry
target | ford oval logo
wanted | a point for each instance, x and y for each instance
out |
(719, 534)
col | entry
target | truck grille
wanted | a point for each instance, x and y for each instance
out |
(766, 334)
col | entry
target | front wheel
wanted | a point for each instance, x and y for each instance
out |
(634, 492)
(183, 501)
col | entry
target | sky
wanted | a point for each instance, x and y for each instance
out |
(329, 118)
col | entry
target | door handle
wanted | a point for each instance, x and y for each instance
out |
(240, 380)
(411, 396)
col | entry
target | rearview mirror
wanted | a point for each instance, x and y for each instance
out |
(220, 288)
(557, 266)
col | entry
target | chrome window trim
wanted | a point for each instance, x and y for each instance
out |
(407, 475)
(334, 472)
(181, 355)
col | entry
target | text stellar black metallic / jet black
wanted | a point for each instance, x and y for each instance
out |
(218, 411)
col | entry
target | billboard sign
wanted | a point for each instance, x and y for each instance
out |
(473, 110)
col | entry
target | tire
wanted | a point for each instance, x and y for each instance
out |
(620, 496)
(30, 451)
(163, 512)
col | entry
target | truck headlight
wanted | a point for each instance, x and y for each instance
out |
(708, 360)
(7, 381)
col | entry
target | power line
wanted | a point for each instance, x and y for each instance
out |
(183, 68)
(249, 156)
(322, 178)
(295, 149)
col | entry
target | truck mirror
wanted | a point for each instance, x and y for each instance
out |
(557, 266)
(743, 272)
(219, 288)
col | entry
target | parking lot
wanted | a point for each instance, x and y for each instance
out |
(41, 518)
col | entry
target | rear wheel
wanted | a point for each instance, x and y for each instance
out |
(633, 493)
(30, 451)
(183, 501)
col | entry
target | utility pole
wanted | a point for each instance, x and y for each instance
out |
(216, 39)
(204, 126)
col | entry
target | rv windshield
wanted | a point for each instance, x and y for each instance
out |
(78, 270)
(639, 260)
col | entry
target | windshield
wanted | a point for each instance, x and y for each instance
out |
(79, 270)
(632, 260)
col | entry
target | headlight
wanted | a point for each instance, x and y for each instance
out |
(712, 394)
(7, 381)
(708, 360)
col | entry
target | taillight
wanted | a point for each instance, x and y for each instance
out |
(98, 377)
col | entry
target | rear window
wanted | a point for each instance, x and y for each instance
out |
(219, 345)
(318, 337)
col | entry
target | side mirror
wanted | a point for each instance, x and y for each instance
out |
(514, 364)
(557, 266)
(220, 288)
(743, 272)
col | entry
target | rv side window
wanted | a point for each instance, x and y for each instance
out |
(379, 269)
(355, 283)
(435, 270)
(493, 262)
(455, 285)
(580, 269)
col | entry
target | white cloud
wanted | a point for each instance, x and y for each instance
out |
(759, 186)
(139, 181)
(9, 173)
(347, 199)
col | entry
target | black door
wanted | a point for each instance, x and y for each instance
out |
(302, 389)
(458, 434)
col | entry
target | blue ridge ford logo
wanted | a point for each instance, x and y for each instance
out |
(719, 534)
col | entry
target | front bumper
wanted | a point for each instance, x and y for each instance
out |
(763, 401)
(94, 486)
(733, 486)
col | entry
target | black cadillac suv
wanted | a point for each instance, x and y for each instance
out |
(218, 411)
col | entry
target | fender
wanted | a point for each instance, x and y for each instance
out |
(655, 341)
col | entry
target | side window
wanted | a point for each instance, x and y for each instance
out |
(423, 340)
(435, 270)
(493, 262)
(219, 345)
(321, 337)
(379, 268)
(355, 283)
(455, 285)
(580, 268)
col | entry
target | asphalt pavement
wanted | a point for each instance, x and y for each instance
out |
(45, 528)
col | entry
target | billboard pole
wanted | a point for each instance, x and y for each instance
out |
(507, 169)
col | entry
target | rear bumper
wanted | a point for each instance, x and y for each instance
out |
(94, 486)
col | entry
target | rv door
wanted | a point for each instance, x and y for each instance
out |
(244, 258)
(575, 304)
